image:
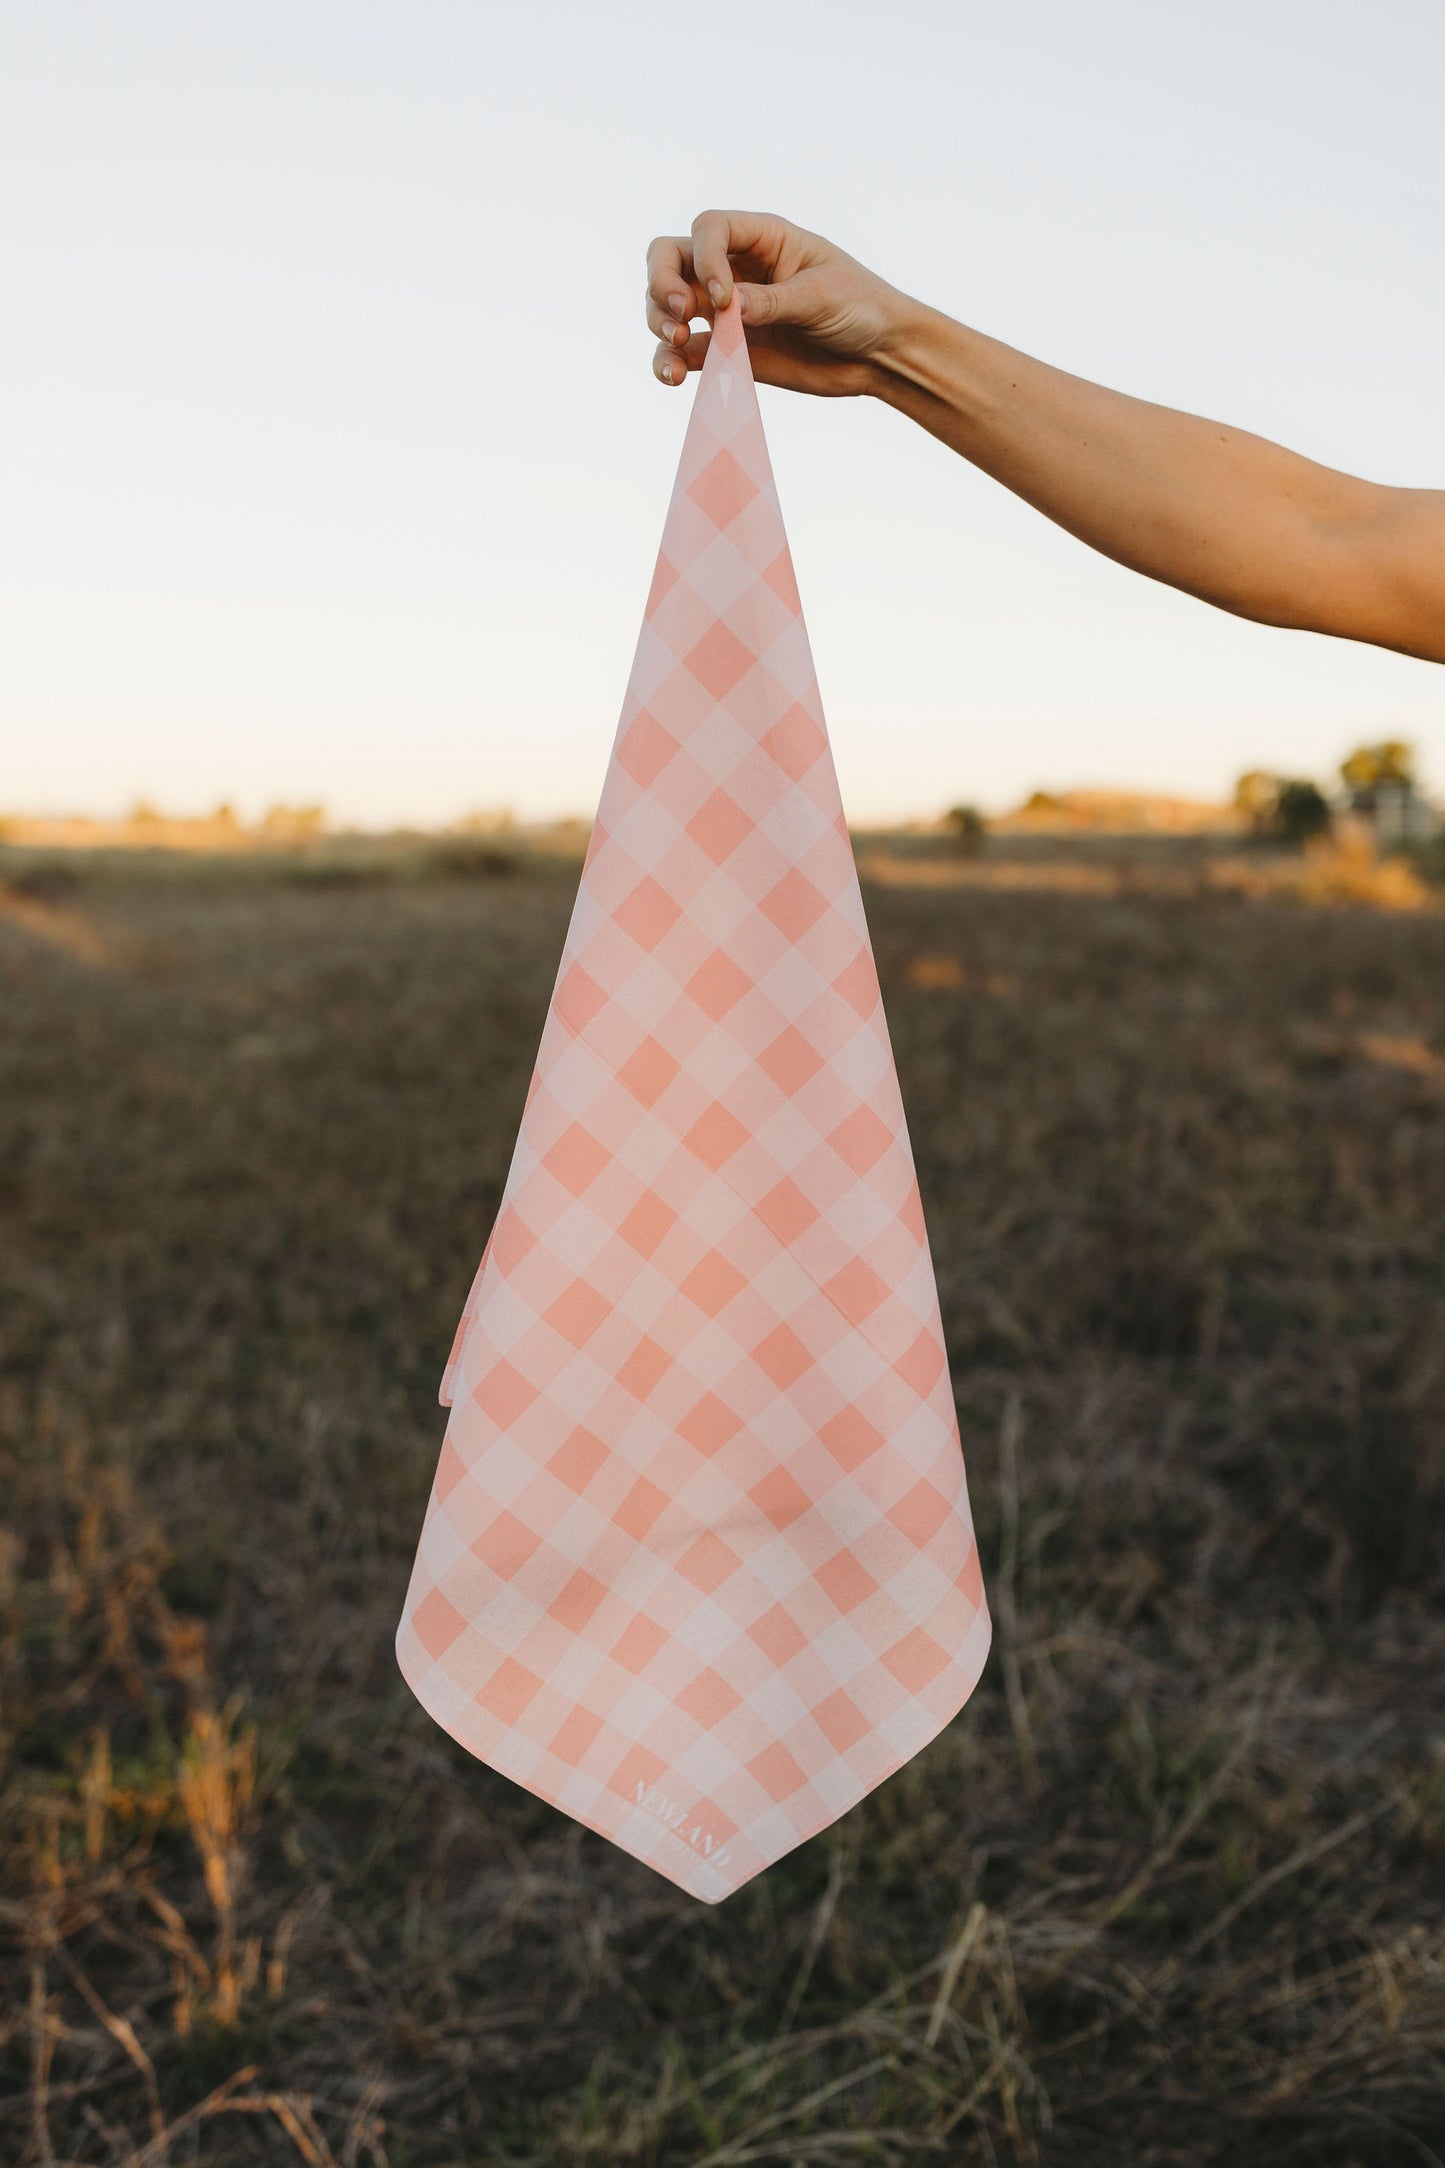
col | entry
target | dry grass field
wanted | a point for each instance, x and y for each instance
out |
(1171, 1889)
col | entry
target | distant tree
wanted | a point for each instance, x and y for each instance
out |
(1256, 796)
(967, 827)
(1281, 809)
(1391, 761)
(1301, 811)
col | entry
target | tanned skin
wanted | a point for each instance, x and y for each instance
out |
(1225, 515)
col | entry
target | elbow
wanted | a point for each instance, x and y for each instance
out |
(1382, 575)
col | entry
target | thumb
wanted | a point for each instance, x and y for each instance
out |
(790, 301)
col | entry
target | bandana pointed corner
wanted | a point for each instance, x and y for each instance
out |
(698, 1565)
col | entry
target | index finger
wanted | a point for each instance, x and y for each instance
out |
(718, 234)
(669, 275)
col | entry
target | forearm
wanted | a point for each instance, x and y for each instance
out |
(1225, 515)
(1214, 510)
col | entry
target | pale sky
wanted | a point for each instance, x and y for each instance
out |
(333, 466)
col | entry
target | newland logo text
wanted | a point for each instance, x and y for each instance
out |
(674, 1817)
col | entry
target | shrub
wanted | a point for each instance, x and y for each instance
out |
(1301, 811)
(968, 829)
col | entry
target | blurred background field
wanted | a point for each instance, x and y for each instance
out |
(1171, 1889)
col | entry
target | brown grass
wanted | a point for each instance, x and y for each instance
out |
(1171, 1890)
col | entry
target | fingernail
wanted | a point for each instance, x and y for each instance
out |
(678, 305)
(675, 332)
(667, 373)
(715, 289)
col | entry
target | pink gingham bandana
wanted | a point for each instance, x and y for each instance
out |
(698, 1565)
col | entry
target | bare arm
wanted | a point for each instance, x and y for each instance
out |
(1216, 511)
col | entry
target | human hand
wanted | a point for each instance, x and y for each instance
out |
(816, 320)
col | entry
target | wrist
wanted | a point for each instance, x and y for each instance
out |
(901, 350)
(924, 357)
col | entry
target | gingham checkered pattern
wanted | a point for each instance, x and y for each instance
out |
(698, 1565)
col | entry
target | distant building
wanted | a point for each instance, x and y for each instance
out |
(1398, 813)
